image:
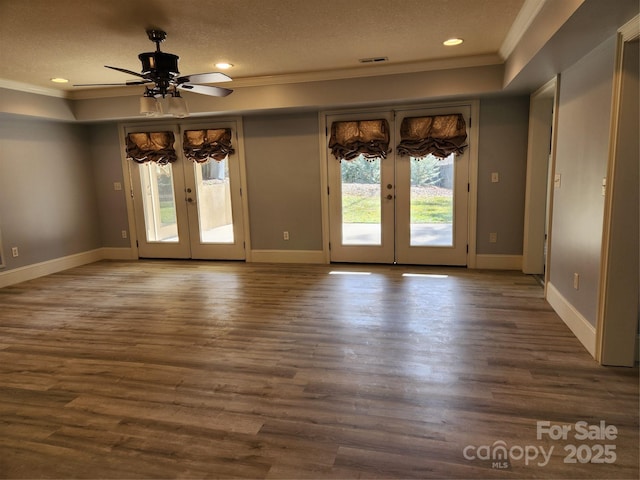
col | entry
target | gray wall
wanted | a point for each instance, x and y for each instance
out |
(283, 176)
(581, 159)
(503, 130)
(107, 169)
(47, 198)
(283, 181)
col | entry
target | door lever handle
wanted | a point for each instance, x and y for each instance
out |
(389, 197)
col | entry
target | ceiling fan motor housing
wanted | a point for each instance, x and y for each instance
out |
(159, 64)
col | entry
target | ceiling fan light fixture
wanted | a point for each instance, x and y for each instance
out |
(178, 106)
(150, 106)
(224, 65)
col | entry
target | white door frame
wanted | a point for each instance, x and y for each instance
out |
(617, 339)
(539, 184)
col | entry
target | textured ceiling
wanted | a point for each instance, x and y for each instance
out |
(74, 39)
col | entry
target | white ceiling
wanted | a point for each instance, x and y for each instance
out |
(264, 39)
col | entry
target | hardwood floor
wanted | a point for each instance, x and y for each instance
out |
(167, 369)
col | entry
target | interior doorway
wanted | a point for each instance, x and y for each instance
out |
(540, 179)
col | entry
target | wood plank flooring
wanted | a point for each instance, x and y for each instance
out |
(185, 369)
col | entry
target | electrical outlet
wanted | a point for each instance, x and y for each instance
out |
(576, 281)
(124, 234)
(117, 186)
(493, 237)
(285, 235)
(14, 252)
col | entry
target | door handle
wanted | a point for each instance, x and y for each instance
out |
(190, 200)
(389, 197)
(389, 186)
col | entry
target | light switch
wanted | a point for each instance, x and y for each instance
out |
(557, 180)
(495, 177)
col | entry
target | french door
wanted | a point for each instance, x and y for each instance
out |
(187, 209)
(399, 209)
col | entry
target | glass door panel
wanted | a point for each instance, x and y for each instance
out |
(361, 203)
(159, 202)
(215, 213)
(431, 201)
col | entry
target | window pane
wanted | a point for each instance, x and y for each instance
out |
(159, 203)
(432, 201)
(361, 202)
(214, 202)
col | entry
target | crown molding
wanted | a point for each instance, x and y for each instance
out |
(290, 78)
(319, 76)
(630, 30)
(527, 14)
(26, 87)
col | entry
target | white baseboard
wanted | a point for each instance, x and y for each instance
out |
(498, 262)
(113, 253)
(580, 326)
(288, 256)
(29, 272)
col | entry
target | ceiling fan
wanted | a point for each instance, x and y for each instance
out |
(161, 76)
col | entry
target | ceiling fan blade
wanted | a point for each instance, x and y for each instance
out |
(212, 77)
(131, 82)
(126, 71)
(205, 90)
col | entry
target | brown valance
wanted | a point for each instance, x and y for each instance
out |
(202, 145)
(369, 138)
(439, 135)
(151, 147)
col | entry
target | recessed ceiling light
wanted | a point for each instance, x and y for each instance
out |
(224, 65)
(452, 42)
(59, 80)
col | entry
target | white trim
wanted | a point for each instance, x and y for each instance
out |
(537, 179)
(27, 87)
(472, 206)
(580, 326)
(498, 262)
(631, 29)
(361, 71)
(29, 272)
(119, 253)
(525, 17)
(288, 256)
(2, 262)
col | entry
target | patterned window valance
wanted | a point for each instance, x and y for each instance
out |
(439, 135)
(369, 138)
(151, 147)
(203, 145)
